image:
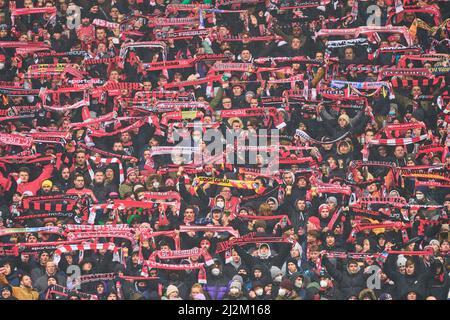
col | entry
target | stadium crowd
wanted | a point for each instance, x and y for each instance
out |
(110, 189)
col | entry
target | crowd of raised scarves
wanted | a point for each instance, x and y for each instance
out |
(99, 202)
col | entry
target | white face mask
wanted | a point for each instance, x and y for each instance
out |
(282, 292)
(156, 184)
(298, 284)
(420, 196)
(196, 138)
(259, 292)
(234, 290)
(323, 283)
(215, 271)
(278, 278)
(2, 66)
(220, 204)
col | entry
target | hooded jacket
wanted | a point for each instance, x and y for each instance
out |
(347, 281)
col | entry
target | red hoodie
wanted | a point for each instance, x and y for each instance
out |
(35, 185)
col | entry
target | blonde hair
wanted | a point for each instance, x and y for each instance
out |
(264, 209)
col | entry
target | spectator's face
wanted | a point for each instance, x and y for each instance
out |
(87, 267)
(80, 159)
(409, 16)
(399, 152)
(43, 258)
(353, 268)
(416, 91)
(288, 179)
(132, 177)
(237, 91)
(226, 103)
(349, 54)
(24, 176)
(118, 147)
(112, 296)
(69, 259)
(257, 274)
(6, 293)
(330, 241)
(245, 55)
(272, 205)
(28, 4)
(125, 137)
(26, 282)
(411, 296)
(319, 56)
(99, 177)
(114, 13)
(195, 291)
(301, 183)
(295, 44)
(301, 205)
(114, 76)
(226, 193)
(51, 281)
(314, 255)
(292, 267)
(100, 34)
(7, 268)
(109, 173)
(100, 289)
(79, 182)
(324, 213)
(189, 214)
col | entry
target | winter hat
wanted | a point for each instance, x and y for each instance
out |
(171, 289)
(385, 296)
(434, 242)
(345, 117)
(422, 189)
(130, 171)
(138, 188)
(274, 200)
(401, 261)
(238, 278)
(332, 200)
(323, 206)
(236, 284)
(257, 284)
(47, 183)
(315, 221)
(260, 224)
(287, 284)
(313, 285)
(410, 157)
(275, 271)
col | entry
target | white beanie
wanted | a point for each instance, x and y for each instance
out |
(401, 260)
(171, 289)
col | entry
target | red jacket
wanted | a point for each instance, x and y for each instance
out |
(35, 185)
